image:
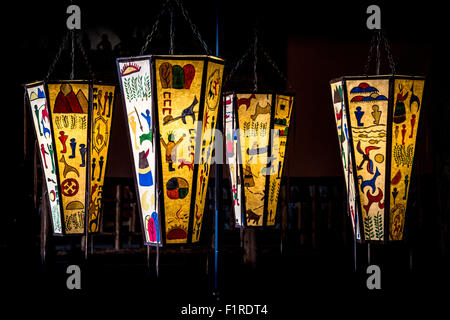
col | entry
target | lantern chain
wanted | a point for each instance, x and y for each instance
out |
(369, 57)
(389, 53)
(58, 55)
(85, 57)
(193, 27)
(154, 28)
(275, 67)
(378, 39)
(237, 65)
(172, 32)
(72, 55)
(255, 62)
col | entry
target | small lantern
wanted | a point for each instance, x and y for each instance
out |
(72, 121)
(377, 119)
(171, 105)
(256, 127)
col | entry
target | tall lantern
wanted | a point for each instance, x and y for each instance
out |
(72, 122)
(171, 105)
(256, 127)
(377, 119)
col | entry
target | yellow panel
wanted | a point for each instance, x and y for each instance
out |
(254, 126)
(407, 103)
(368, 103)
(340, 116)
(103, 103)
(69, 106)
(211, 108)
(282, 117)
(178, 89)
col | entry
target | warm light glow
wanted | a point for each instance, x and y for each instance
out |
(381, 132)
(183, 98)
(256, 153)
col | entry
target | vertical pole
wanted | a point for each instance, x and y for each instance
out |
(218, 184)
(44, 224)
(117, 220)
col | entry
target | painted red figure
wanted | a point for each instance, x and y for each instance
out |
(403, 134)
(43, 155)
(413, 122)
(63, 138)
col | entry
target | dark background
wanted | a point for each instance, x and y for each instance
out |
(312, 43)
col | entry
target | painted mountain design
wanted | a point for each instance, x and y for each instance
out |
(67, 102)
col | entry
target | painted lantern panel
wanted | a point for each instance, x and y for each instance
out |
(281, 122)
(42, 125)
(69, 107)
(405, 120)
(342, 126)
(101, 119)
(188, 96)
(232, 157)
(136, 83)
(260, 140)
(368, 111)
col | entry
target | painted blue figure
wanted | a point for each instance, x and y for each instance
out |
(155, 220)
(44, 129)
(148, 118)
(83, 153)
(359, 114)
(73, 145)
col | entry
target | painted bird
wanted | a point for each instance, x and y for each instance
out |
(366, 157)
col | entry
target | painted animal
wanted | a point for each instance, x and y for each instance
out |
(68, 168)
(245, 101)
(414, 98)
(189, 164)
(260, 110)
(374, 199)
(99, 138)
(188, 112)
(252, 216)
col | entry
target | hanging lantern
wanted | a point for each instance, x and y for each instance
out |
(256, 131)
(171, 104)
(377, 119)
(72, 122)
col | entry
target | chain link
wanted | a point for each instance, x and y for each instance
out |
(72, 55)
(389, 53)
(172, 32)
(255, 62)
(193, 27)
(275, 67)
(237, 65)
(154, 28)
(380, 39)
(58, 55)
(85, 57)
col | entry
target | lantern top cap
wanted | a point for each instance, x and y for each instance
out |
(385, 76)
(175, 57)
(275, 92)
(85, 81)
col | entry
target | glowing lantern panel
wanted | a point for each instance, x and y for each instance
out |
(186, 97)
(383, 115)
(256, 153)
(42, 125)
(74, 119)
